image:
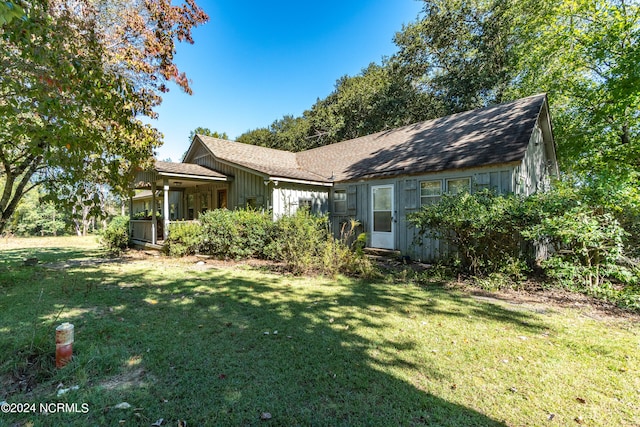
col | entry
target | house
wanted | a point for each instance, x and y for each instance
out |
(377, 179)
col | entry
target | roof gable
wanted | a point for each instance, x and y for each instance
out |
(269, 162)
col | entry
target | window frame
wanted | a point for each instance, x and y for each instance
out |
(466, 178)
(430, 198)
(341, 202)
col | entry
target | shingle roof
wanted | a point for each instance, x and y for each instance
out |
(268, 161)
(491, 135)
(187, 169)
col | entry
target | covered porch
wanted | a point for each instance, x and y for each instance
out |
(173, 192)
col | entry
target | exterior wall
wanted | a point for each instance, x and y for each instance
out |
(287, 198)
(407, 200)
(246, 188)
(535, 171)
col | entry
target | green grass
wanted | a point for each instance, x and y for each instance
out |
(180, 341)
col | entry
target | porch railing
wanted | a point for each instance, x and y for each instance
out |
(142, 229)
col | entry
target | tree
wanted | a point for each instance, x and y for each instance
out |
(462, 52)
(585, 54)
(37, 216)
(10, 10)
(76, 76)
(206, 132)
(380, 97)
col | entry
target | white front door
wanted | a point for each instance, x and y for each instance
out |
(382, 224)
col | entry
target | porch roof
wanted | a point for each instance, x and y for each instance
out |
(178, 175)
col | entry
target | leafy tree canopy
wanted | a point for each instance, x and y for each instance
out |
(76, 77)
(207, 132)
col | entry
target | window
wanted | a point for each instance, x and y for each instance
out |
(305, 204)
(458, 185)
(190, 206)
(340, 201)
(222, 199)
(430, 192)
(204, 203)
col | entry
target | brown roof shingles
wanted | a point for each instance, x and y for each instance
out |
(491, 135)
(188, 169)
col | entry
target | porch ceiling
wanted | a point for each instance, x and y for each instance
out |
(178, 175)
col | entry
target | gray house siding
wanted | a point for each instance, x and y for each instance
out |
(246, 189)
(407, 200)
(287, 198)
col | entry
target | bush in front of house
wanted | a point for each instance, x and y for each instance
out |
(305, 244)
(298, 241)
(491, 237)
(237, 234)
(185, 238)
(115, 237)
(482, 230)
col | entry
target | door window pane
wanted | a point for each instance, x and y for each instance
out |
(382, 199)
(382, 221)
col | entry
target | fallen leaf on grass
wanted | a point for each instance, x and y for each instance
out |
(265, 416)
(581, 400)
(122, 405)
(578, 419)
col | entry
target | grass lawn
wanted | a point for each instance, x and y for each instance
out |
(217, 345)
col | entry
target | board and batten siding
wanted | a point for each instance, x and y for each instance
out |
(288, 198)
(245, 187)
(534, 173)
(407, 201)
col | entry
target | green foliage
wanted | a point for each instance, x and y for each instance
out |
(299, 241)
(76, 76)
(10, 10)
(494, 238)
(462, 52)
(185, 238)
(586, 247)
(304, 243)
(380, 97)
(115, 238)
(206, 132)
(482, 230)
(35, 216)
(236, 234)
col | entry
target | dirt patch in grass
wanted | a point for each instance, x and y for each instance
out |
(129, 379)
(543, 300)
(201, 261)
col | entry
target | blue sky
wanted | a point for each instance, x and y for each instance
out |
(256, 61)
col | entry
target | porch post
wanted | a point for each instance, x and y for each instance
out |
(154, 219)
(130, 216)
(165, 209)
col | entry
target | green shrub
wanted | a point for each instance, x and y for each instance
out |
(305, 244)
(299, 241)
(115, 238)
(185, 238)
(586, 247)
(237, 234)
(482, 229)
